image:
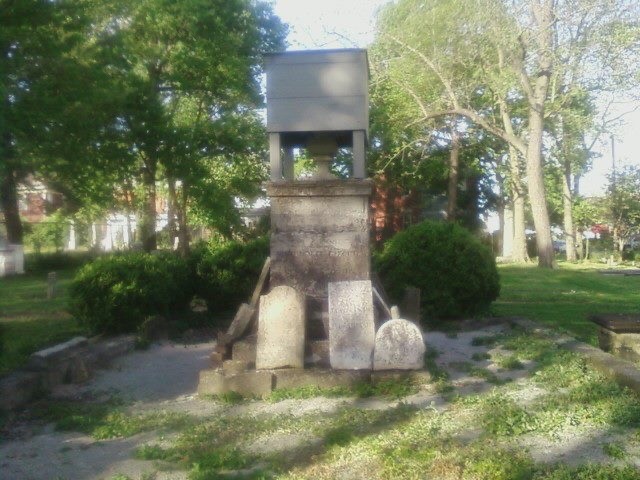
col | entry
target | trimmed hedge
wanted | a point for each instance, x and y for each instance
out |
(228, 272)
(114, 294)
(456, 274)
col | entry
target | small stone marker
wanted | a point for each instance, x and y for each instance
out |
(399, 346)
(410, 305)
(351, 324)
(281, 329)
(52, 278)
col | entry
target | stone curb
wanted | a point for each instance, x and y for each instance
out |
(622, 371)
(69, 362)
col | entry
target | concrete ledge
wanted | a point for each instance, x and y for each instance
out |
(216, 382)
(294, 378)
(625, 373)
(69, 362)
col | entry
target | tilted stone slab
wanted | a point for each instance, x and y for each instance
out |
(351, 324)
(281, 332)
(399, 346)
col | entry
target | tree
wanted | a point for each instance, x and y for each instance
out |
(624, 205)
(498, 66)
(55, 101)
(189, 71)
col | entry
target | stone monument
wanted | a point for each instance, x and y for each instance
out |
(318, 100)
(320, 309)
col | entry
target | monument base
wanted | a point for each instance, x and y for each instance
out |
(319, 234)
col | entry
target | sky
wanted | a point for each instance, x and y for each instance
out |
(319, 24)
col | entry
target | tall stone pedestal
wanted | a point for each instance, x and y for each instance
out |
(320, 234)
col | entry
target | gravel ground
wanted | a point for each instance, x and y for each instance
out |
(165, 378)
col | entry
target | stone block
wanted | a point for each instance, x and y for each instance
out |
(351, 325)
(235, 366)
(399, 346)
(216, 359)
(319, 233)
(43, 359)
(317, 353)
(623, 345)
(245, 350)
(216, 382)
(323, 378)
(281, 329)
(419, 377)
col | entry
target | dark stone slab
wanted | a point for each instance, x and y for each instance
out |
(618, 322)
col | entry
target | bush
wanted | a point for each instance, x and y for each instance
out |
(115, 294)
(228, 272)
(456, 274)
(47, 262)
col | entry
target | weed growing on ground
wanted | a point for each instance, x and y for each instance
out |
(614, 450)
(509, 362)
(108, 420)
(480, 356)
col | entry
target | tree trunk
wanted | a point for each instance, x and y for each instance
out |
(172, 206)
(10, 207)
(567, 206)
(183, 230)
(454, 174)
(543, 16)
(519, 251)
(507, 233)
(148, 216)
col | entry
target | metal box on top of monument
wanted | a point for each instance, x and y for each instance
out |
(317, 94)
(315, 91)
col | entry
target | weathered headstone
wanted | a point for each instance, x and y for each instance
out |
(351, 324)
(399, 346)
(281, 329)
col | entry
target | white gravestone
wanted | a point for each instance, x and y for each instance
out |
(281, 332)
(351, 325)
(399, 346)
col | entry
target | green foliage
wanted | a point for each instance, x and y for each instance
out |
(47, 262)
(114, 294)
(228, 272)
(564, 298)
(108, 420)
(456, 274)
(48, 234)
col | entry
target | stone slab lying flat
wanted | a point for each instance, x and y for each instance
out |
(618, 322)
(351, 325)
(254, 383)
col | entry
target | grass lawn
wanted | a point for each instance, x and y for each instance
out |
(566, 296)
(29, 321)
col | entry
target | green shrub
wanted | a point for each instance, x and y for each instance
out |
(456, 274)
(46, 262)
(114, 294)
(228, 272)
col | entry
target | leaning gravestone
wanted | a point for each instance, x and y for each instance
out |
(351, 324)
(281, 329)
(399, 346)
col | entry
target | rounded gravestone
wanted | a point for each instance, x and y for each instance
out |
(399, 346)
